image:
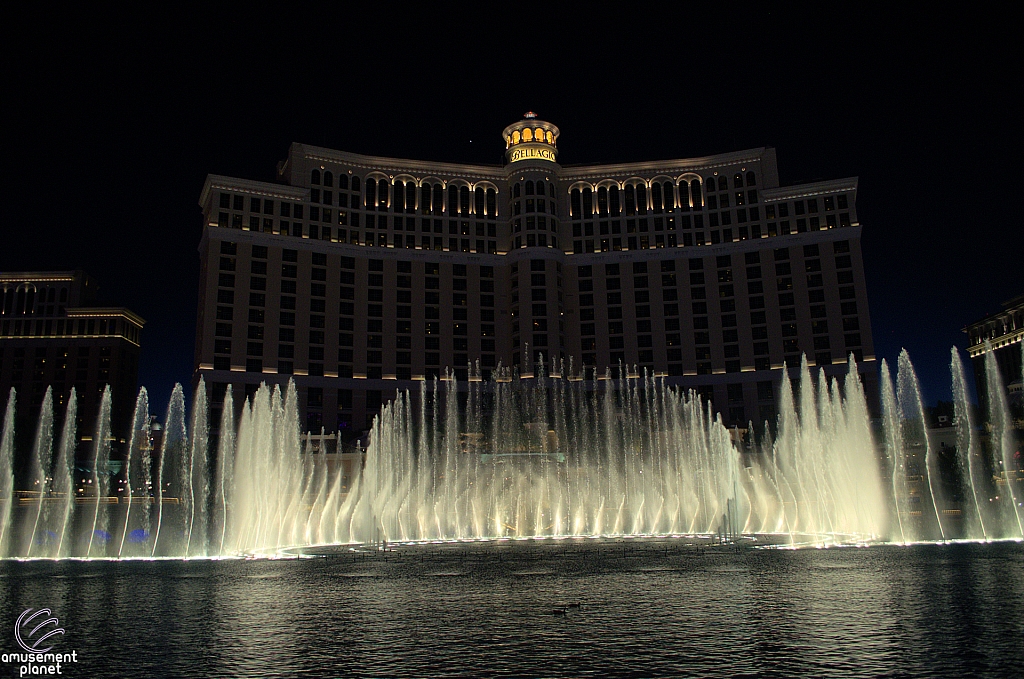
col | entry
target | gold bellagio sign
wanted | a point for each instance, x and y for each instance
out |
(528, 152)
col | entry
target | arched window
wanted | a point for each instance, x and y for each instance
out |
(669, 195)
(684, 196)
(710, 183)
(723, 184)
(382, 194)
(750, 179)
(410, 197)
(343, 181)
(641, 199)
(438, 202)
(371, 193)
(492, 203)
(614, 204)
(453, 200)
(588, 203)
(551, 190)
(516, 190)
(478, 199)
(355, 183)
(515, 137)
(656, 197)
(529, 187)
(602, 201)
(737, 181)
(399, 203)
(314, 177)
(551, 139)
(464, 200)
(328, 178)
(425, 199)
(574, 204)
(630, 200)
(696, 199)
(527, 134)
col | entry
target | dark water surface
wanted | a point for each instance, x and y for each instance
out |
(647, 609)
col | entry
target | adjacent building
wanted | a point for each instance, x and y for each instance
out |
(1001, 333)
(358, 275)
(53, 334)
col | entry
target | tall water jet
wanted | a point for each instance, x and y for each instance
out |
(1002, 443)
(137, 467)
(267, 472)
(7, 472)
(42, 458)
(225, 465)
(99, 537)
(63, 475)
(171, 451)
(786, 462)
(892, 427)
(917, 447)
(197, 474)
(967, 449)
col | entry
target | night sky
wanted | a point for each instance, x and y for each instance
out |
(114, 121)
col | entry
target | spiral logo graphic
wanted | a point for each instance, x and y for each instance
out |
(28, 640)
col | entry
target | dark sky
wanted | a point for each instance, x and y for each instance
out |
(113, 122)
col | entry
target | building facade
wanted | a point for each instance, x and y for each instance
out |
(357, 275)
(1001, 333)
(52, 334)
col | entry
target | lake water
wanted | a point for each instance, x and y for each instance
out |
(647, 608)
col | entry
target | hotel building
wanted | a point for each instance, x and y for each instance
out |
(359, 275)
(1002, 334)
(52, 334)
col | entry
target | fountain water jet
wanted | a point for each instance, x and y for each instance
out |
(138, 465)
(63, 479)
(966, 445)
(42, 454)
(915, 433)
(544, 455)
(7, 471)
(1002, 442)
(100, 476)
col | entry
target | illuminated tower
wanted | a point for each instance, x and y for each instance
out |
(531, 153)
(531, 139)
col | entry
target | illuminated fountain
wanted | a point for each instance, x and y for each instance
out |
(637, 459)
(546, 456)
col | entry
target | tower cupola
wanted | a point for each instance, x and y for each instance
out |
(531, 139)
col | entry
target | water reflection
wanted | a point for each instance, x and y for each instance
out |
(646, 607)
